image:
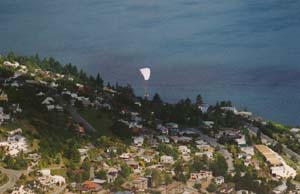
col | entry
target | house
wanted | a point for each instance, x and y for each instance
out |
(198, 176)
(14, 145)
(241, 141)
(111, 175)
(209, 124)
(184, 150)
(59, 108)
(3, 116)
(295, 130)
(219, 180)
(181, 139)
(47, 179)
(139, 184)
(172, 125)
(45, 172)
(204, 108)
(147, 158)
(11, 64)
(58, 180)
(166, 159)
(278, 166)
(14, 132)
(16, 108)
(245, 114)
(90, 186)
(53, 85)
(83, 153)
(133, 164)
(248, 150)
(125, 156)
(280, 189)
(176, 188)
(50, 107)
(48, 101)
(3, 96)
(22, 190)
(244, 192)
(163, 130)
(206, 150)
(138, 140)
(163, 139)
(230, 109)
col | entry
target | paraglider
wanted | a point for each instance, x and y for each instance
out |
(146, 73)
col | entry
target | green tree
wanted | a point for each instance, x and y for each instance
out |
(219, 166)
(125, 170)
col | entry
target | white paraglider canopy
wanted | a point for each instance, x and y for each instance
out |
(146, 72)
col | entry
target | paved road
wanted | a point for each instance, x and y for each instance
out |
(13, 176)
(223, 150)
(79, 119)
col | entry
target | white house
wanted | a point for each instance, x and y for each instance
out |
(204, 108)
(209, 124)
(14, 145)
(295, 130)
(50, 107)
(125, 156)
(48, 101)
(184, 150)
(241, 141)
(245, 114)
(59, 180)
(22, 190)
(59, 108)
(11, 64)
(167, 159)
(14, 132)
(163, 139)
(138, 140)
(229, 108)
(248, 150)
(219, 180)
(111, 175)
(45, 172)
(47, 179)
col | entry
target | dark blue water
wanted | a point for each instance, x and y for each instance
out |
(245, 51)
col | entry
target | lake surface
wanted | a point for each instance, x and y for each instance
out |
(244, 51)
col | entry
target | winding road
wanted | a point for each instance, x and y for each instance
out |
(13, 176)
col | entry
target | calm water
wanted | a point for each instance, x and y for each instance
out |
(246, 51)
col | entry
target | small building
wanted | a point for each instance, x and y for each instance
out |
(172, 125)
(198, 176)
(219, 180)
(295, 130)
(125, 156)
(204, 108)
(139, 184)
(139, 141)
(248, 150)
(111, 175)
(166, 159)
(48, 101)
(184, 150)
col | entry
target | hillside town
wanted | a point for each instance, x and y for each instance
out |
(63, 131)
